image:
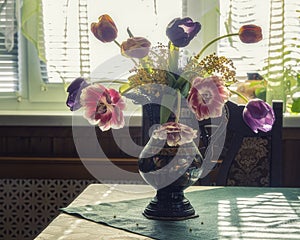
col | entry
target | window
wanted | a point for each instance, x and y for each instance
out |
(280, 24)
(64, 37)
(62, 34)
(72, 50)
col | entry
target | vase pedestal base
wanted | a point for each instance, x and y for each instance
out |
(169, 205)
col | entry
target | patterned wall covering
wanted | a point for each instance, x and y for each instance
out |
(28, 205)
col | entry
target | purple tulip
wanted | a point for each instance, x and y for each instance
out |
(74, 90)
(250, 33)
(105, 29)
(135, 47)
(181, 31)
(259, 115)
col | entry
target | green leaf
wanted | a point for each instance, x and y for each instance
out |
(180, 82)
(261, 93)
(185, 89)
(171, 79)
(165, 112)
(296, 106)
(124, 88)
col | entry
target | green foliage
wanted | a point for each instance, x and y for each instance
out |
(165, 112)
(296, 106)
(261, 93)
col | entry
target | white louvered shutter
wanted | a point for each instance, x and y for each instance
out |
(280, 46)
(66, 40)
(234, 14)
(9, 80)
(284, 38)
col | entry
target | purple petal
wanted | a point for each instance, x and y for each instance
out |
(259, 115)
(182, 31)
(74, 90)
(249, 120)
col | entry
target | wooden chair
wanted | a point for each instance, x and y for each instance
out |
(247, 158)
(237, 156)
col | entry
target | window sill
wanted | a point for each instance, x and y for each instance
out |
(292, 121)
(64, 118)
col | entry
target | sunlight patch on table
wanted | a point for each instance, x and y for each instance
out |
(266, 216)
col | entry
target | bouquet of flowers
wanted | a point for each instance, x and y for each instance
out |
(203, 81)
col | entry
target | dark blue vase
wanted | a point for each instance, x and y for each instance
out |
(170, 170)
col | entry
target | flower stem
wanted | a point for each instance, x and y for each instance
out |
(129, 33)
(109, 81)
(178, 106)
(127, 90)
(173, 56)
(239, 95)
(213, 41)
(116, 42)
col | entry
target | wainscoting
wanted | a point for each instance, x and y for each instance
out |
(27, 206)
(40, 172)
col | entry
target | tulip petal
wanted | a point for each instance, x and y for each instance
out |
(75, 90)
(207, 97)
(259, 115)
(175, 133)
(135, 47)
(103, 107)
(250, 33)
(182, 31)
(105, 29)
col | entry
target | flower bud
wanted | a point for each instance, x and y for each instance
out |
(250, 33)
(135, 47)
(105, 29)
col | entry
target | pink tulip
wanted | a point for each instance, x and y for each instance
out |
(207, 97)
(103, 107)
(175, 134)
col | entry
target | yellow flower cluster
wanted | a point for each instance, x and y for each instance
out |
(211, 65)
(219, 65)
(152, 70)
(144, 77)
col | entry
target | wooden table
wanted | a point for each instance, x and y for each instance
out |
(69, 227)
